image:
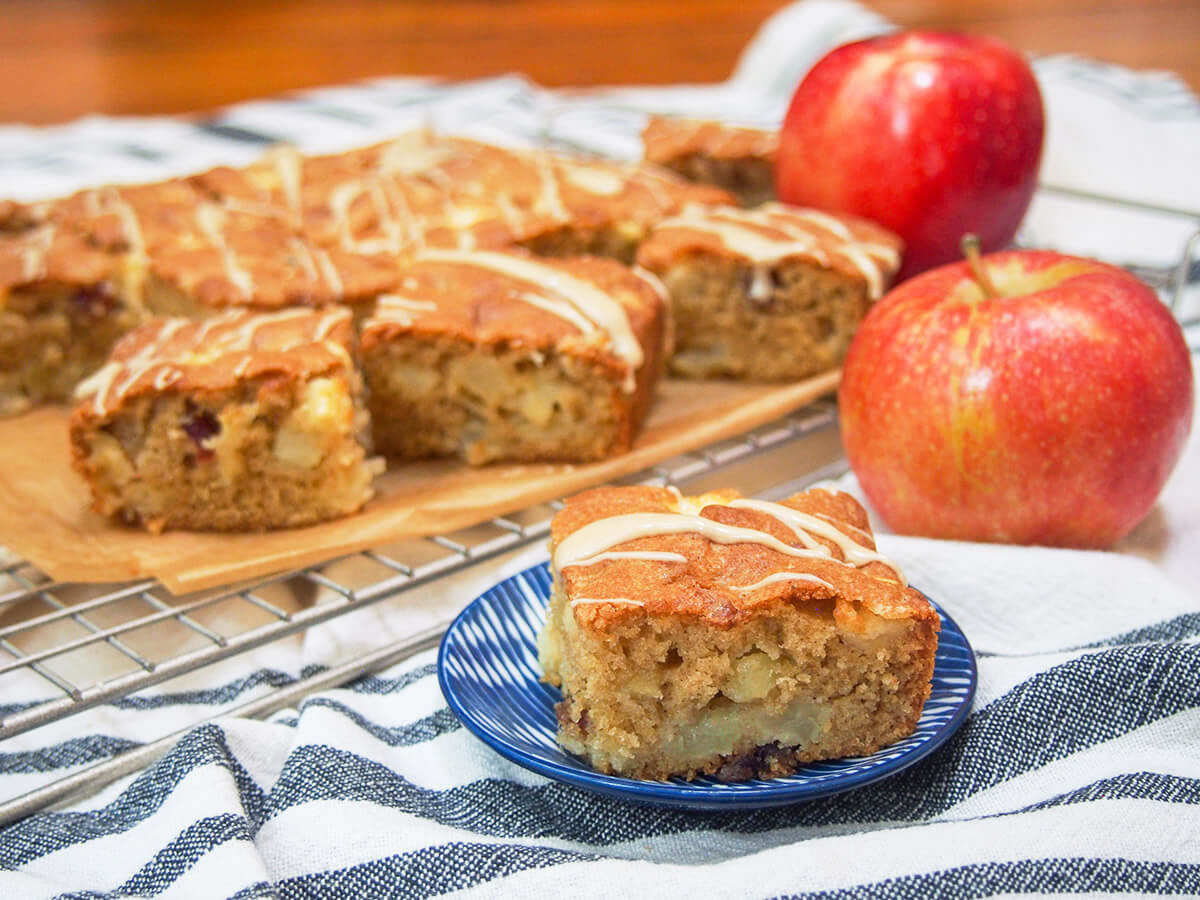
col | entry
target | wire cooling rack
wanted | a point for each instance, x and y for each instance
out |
(61, 635)
(67, 632)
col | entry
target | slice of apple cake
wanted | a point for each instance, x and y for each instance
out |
(492, 355)
(241, 422)
(771, 293)
(729, 636)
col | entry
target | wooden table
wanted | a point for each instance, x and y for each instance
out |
(60, 59)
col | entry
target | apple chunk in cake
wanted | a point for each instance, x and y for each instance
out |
(772, 293)
(502, 356)
(241, 422)
(729, 636)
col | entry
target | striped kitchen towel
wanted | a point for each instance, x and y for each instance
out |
(1077, 771)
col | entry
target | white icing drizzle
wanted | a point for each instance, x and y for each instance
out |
(550, 198)
(329, 272)
(834, 521)
(287, 162)
(741, 239)
(805, 525)
(655, 187)
(556, 308)
(569, 296)
(651, 555)
(327, 323)
(593, 179)
(776, 577)
(413, 154)
(604, 534)
(166, 377)
(341, 201)
(103, 385)
(734, 228)
(395, 300)
(211, 221)
(397, 309)
(301, 252)
(33, 254)
(858, 252)
(317, 265)
(510, 214)
(130, 226)
(414, 233)
(826, 221)
(465, 239)
(654, 281)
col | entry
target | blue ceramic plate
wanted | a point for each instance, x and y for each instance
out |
(488, 671)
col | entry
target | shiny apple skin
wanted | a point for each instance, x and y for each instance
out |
(933, 135)
(1051, 417)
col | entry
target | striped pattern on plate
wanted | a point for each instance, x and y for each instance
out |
(489, 673)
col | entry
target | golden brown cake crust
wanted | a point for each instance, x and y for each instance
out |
(589, 320)
(668, 138)
(772, 232)
(214, 355)
(729, 636)
(421, 190)
(483, 306)
(46, 254)
(706, 585)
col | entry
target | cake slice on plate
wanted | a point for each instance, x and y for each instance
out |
(728, 636)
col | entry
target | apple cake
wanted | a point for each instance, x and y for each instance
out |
(773, 293)
(242, 422)
(500, 355)
(739, 638)
(62, 305)
(738, 160)
(421, 190)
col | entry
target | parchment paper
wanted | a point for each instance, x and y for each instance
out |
(45, 513)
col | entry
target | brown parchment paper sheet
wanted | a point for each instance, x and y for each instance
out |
(45, 513)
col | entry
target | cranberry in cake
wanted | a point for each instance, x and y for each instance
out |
(491, 355)
(719, 635)
(62, 305)
(772, 293)
(242, 422)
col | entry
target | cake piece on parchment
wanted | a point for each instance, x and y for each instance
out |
(241, 422)
(62, 305)
(736, 159)
(772, 293)
(718, 635)
(492, 355)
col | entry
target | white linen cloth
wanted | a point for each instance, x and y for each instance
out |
(1078, 770)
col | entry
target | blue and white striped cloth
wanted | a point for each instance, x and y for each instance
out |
(1077, 772)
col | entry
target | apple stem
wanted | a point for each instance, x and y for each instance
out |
(971, 250)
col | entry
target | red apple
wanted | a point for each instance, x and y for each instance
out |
(933, 135)
(1051, 413)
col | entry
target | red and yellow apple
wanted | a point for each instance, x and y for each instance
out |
(933, 135)
(1050, 413)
